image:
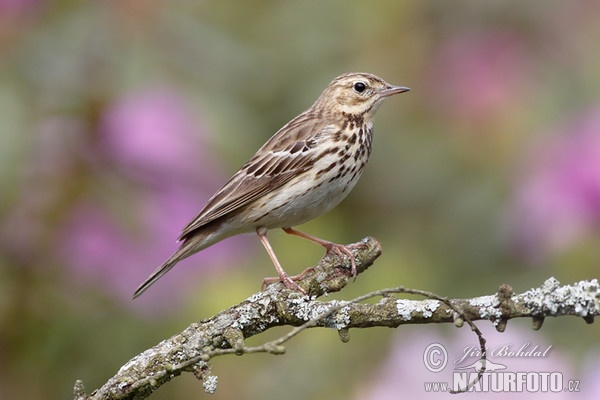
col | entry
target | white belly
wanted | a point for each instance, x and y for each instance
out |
(300, 201)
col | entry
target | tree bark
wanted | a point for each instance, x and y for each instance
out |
(225, 332)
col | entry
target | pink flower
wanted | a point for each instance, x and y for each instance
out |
(405, 373)
(161, 174)
(477, 74)
(15, 7)
(558, 200)
(154, 132)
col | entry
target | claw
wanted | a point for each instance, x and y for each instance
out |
(288, 282)
(339, 249)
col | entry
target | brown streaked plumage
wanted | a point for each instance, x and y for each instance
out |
(300, 173)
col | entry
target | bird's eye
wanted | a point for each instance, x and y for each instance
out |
(359, 87)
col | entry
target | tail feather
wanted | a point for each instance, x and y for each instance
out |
(163, 269)
(187, 248)
(192, 243)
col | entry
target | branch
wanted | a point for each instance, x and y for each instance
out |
(225, 332)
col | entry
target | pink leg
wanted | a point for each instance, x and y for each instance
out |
(283, 277)
(338, 249)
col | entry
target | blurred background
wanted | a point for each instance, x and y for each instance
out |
(119, 119)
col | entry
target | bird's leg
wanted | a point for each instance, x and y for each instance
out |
(338, 249)
(284, 278)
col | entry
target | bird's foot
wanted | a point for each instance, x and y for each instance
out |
(341, 250)
(288, 281)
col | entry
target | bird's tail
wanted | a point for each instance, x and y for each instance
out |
(193, 242)
(187, 248)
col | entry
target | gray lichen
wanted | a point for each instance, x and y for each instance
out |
(489, 307)
(582, 298)
(407, 308)
(404, 308)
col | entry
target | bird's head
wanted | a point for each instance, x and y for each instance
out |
(356, 93)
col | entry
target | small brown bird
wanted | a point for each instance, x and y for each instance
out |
(302, 172)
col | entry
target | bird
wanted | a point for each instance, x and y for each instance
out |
(303, 171)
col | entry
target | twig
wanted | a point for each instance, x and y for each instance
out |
(225, 332)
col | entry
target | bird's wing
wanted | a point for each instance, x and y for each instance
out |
(289, 152)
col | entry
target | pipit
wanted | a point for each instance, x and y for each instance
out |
(307, 168)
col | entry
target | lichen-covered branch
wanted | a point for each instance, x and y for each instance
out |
(225, 332)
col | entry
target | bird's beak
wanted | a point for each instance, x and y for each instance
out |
(391, 90)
